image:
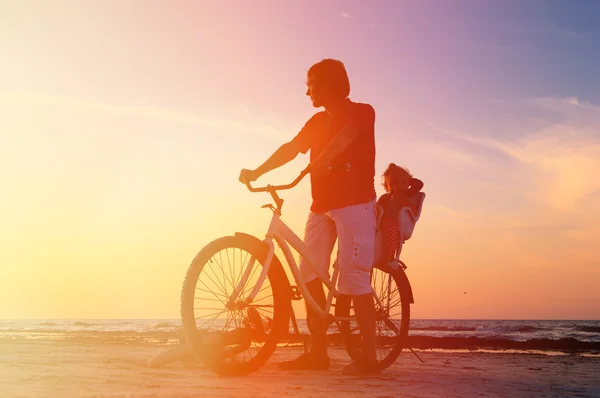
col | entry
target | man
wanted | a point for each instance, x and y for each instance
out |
(341, 141)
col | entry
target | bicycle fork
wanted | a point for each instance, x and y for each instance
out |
(248, 272)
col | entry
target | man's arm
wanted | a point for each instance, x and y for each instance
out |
(287, 152)
(284, 154)
(338, 145)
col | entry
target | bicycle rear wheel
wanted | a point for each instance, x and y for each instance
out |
(232, 337)
(392, 306)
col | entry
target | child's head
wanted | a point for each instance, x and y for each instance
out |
(396, 178)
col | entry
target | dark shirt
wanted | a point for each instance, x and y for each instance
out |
(352, 178)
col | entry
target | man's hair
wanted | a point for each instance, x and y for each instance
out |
(333, 73)
(394, 169)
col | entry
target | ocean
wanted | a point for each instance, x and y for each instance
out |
(541, 336)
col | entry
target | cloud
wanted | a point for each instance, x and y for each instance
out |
(481, 141)
(568, 106)
(564, 158)
(442, 210)
(540, 29)
(345, 15)
(24, 99)
(545, 199)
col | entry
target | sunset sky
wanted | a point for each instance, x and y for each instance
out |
(124, 124)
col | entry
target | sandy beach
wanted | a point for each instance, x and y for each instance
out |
(48, 368)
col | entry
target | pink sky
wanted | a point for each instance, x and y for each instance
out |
(123, 126)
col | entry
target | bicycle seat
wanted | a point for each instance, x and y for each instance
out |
(407, 220)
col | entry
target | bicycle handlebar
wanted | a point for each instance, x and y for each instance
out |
(273, 188)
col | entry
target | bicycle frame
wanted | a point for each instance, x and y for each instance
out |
(285, 238)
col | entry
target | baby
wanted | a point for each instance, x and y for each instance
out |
(400, 187)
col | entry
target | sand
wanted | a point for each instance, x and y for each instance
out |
(86, 369)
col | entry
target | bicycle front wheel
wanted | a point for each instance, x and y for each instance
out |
(392, 306)
(230, 336)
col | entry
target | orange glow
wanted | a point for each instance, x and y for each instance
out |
(123, 131)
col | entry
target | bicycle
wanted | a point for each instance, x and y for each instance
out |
(224, 342)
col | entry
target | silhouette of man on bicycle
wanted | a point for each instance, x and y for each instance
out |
(341, 140)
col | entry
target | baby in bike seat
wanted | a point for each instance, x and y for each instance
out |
(397, 211)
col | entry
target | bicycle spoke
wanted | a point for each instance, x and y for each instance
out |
(216, 313)
(206, 299)
(243, 294)
(242, 267)
(224, 276)
(220, 281)
(210, 291)
(213, 321)
(230, 270)
(220, 285)
(389, 330)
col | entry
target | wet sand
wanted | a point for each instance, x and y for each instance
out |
(48, 368)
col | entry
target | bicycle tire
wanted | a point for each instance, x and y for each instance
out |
(281, 304)
(352, 341)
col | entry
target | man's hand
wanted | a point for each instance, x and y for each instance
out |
(247, 176)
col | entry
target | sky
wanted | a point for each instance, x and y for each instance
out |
(124, 125)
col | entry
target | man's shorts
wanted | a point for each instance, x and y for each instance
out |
(354, 227)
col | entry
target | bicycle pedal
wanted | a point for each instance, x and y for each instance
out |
(256, 323)
(296, 293)
(228, 352)
(330, 319)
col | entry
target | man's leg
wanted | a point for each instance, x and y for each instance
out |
(364, 308)
(319, 237)
(356, 233)
(316, 325)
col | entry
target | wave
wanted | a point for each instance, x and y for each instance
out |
(86, 332)
(88, 326)
(589, 329)
(568, 344)
(166, 336)
(163, 325)
(156, 337)
(444, 329)
(529, 329)
(510, 329)
(499, 330)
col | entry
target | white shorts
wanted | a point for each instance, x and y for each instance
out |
(354, 226)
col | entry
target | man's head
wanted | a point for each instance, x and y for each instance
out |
(327, 82)
(396, 178)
